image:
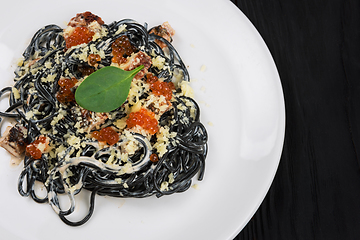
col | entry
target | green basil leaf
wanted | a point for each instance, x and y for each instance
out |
(106, 89)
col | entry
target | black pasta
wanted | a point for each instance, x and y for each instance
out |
(85, 166)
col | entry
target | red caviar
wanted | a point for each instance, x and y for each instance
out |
(93, 59)
(144, 119)
(65, 95)
(154, 157)
(160, 88)
(86, 70)
(163, 88)
(120, 48)
(32, 148)
(151, 78)
(78, 36)
(108, 135)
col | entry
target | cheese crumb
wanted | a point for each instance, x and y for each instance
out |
(121, 28)
(49, 78)
(136, 107)
(127, 168)
(68, 31)
(120, 123)
(186, 89)
(74, 141)
(203, 68)
(48, 65)
(84, 54)
(164, 186)
(195, 186)
(163, 140)
(158, 62)
(16, 93)
(29, 115)
(20, 62)
(171, 178)
(56, 119)
(41, 147)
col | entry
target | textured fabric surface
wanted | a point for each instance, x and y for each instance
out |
(316, 47)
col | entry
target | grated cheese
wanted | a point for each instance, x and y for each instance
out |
(61, 115)
(195, 186)
(186, 89)
(20, 62)
(15, 92)
(203, 68)
(29, 115)
(158, 62)
(41, 147)
(163, 140)
(74, 141)
(48, 64)
(121, 29)
(121, 123)
(164, 186)
(171, 178)
(49, 78)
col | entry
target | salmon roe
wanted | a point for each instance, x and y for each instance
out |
(163, 88)
(160, 88)
(85, 70)
(144, 119)
(32, 148)
(121, 48)
(93, 59)
(79, 36)
(65, 95)
(108, 135)
(154, 157)
(151, 78)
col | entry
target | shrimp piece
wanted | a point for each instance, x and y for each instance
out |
(165, 31)
(14, 140)
(136, 60)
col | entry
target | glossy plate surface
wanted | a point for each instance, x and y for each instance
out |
(238, 89)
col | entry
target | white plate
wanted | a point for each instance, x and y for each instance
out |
(238, 88)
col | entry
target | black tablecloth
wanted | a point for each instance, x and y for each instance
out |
(316, 47)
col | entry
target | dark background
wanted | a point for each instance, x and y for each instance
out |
(316, 190)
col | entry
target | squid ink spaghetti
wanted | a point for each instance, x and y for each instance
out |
(153, 144)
